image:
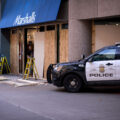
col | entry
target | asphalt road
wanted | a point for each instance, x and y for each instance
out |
(46, 102)
(12, 112)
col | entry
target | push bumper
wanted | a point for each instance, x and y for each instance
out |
(56, 80)
(53, 77)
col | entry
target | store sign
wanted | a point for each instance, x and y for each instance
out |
(25, 20)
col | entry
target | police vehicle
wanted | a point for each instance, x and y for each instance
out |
(100, 68)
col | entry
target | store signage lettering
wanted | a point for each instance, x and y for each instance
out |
(25, 20)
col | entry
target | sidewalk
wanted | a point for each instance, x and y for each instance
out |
(18, 81)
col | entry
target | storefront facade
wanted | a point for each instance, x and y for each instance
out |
(40, 32)
(92, 24)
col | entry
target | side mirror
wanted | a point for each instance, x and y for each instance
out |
(90, 60)
(82, 56)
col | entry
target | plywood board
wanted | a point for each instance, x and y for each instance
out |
(106, 35)
(39, 38)
(14, 53)
(21, 50)
(63, 45)
(50, 49)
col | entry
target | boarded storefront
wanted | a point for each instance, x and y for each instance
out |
(37, 29)
(49, 45)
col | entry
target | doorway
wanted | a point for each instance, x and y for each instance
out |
(29, 45)
(17, 51)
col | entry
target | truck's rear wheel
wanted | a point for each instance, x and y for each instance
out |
(72, 83)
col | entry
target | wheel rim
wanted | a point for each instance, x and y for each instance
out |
(73, 83)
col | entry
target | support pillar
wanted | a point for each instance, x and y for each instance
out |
(80, 38)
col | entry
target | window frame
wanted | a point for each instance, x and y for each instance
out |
(118, 53)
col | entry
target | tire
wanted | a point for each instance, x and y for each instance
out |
(72, 83)
(49, 73)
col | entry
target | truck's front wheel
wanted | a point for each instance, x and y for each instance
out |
(72, 83)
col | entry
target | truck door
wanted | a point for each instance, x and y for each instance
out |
(118, 64)
(102, 66)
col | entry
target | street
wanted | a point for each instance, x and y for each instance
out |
(46, 102)
(11, 112)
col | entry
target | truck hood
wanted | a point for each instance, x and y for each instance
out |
(71, 63)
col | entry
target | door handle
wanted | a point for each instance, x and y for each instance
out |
(108, 64)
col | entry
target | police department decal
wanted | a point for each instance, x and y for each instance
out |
(101, 73)
(101, 68)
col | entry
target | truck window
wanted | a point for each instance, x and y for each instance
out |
(107, 54)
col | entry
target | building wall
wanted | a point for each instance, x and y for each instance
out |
(108, 8)
(63, 11)
(4, 36)
(81, 13)
(5, 43)
(80, 39)
(82, 9)
(85, 9)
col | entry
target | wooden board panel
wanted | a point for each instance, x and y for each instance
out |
(14, 53)
(50, 49)
(106, 35)
(21, 50)
(39, 38)
(63, 45)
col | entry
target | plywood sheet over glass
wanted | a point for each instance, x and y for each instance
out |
(63, 45)
(14, 52)
(39, 38)
(106, 35)
(50, 49)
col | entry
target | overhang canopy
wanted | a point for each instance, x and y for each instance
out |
(25, 12)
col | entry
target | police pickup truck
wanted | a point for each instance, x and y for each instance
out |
(100, 68)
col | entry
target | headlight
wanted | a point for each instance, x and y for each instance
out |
(58, 68)
(81, 65)
(54, 66)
